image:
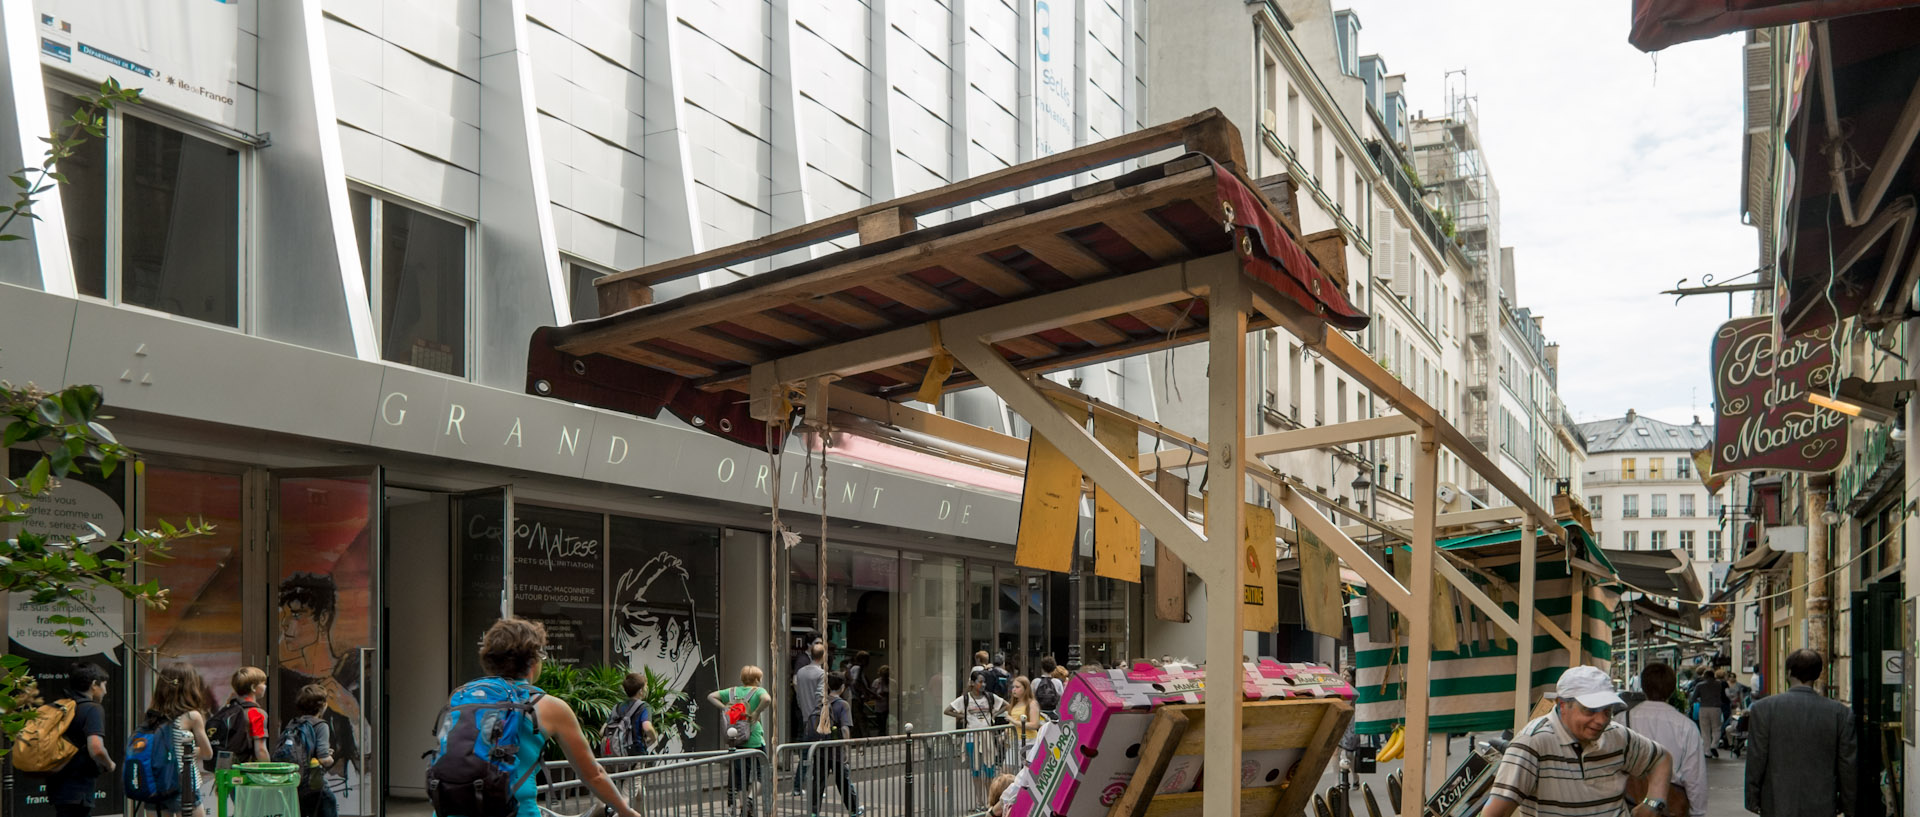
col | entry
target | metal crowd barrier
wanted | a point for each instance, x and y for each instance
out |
(928, 774)
(734, 783)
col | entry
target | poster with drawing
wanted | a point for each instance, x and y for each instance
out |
(665, 619)
(325, 631)
(559, 570)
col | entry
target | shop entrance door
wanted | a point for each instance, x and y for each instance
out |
(1023, 617)
(326, 532)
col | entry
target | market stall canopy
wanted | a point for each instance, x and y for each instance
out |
(693, 355)
(1661, 23)
(1667, 573)
(1502, 547)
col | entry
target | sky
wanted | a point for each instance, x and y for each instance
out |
(1619, 174)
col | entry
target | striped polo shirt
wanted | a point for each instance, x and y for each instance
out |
(1549, 774)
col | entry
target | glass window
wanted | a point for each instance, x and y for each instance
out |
(1715, 552)
(665, 619)
(1686, 543)
(1653, 468)
(1593, 505)
(177, 218)
(580, 290)
(1686, 504)
(1657, 539)
(1659, 505)
(1630, 506)
(1627, 468)
(1682, 467)
(83, 199)
(932, 621)
(202, 625)
(420, 300)
(1630, 538)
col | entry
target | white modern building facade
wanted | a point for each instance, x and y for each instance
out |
(305, 269)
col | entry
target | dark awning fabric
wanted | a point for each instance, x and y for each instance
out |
(1661, 23)
(1661, 572)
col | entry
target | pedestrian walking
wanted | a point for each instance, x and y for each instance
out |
(1800, 749)
(807, 687)
(463, 779)
(1574, 761)
(72, 787)
(1711, 695)
(1669, 727)
(307, 741)
(176, 699)
(978, 709)
(836, 724)
(755, 701)
(1026, 715)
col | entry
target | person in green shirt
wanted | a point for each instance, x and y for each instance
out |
(744, 772)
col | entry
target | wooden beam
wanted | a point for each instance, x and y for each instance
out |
(1065, 255)
(802, 288)
(1206, 128)
(1343, 353)
(1149, 236)
(988, 274)
(1378, 579)
(1304, 439)
(1480, 599)
(1523, 656)
(888, 412)
(1220, 564)
(1418, 689)
(879, 225)
(1554, 630)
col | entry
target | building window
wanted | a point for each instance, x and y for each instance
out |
(1682, 467)
(1627, 468)
(1653, 468)
(1631, 539)
(1686, 504)
(1630, 506)
(153, 217)
(1657, 540)
(1715, 551)
(1593, 505)
(420, 303)
(581, 294)
(1659, 505)
(1686, 543)
(1713, 505)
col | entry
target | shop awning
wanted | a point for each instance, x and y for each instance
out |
(1851, 245)
(1661, 23)
(1666, 573)
(1503, 546)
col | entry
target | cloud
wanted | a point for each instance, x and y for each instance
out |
(1619, 174)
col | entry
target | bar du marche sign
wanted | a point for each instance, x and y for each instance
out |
(1762, 419)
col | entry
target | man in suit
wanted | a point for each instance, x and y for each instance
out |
(1790, 739)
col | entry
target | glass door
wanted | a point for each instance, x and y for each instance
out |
(480, 572)
(325, 533)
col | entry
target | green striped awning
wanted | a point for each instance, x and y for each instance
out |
(1472, 689)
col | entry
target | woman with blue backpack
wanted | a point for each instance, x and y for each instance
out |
(466, 777)
(161, 769)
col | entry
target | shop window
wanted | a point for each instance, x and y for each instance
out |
(171, 238)
(202, 625)
(665, 615)
(420, 297)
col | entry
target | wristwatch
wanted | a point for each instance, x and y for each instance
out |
(1658, 805)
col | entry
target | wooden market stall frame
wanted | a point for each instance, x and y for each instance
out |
(1106, 270)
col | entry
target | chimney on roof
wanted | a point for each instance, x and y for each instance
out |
(1630, 415)
(1696, 419)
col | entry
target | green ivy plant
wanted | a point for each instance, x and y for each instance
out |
(66, 429)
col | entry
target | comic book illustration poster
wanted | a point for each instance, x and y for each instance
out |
(665, 619)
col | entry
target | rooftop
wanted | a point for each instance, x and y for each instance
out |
(1636, 433)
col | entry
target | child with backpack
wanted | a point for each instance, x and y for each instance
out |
(835, 723)
(466, 776)
(629, 730)
(66, 741)
(1049, 686)
(307, 742)
(161, 771)
(239, 727)
(740, 709)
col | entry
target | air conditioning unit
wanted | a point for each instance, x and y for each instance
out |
(1446, 494)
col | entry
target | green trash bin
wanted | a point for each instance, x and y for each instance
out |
(259, 790)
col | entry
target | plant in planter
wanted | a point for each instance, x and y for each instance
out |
(668, 707)
(592, 691)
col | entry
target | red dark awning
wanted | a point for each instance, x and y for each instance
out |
(1661, 23)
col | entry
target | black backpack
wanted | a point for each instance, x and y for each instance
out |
(1046, 693)
(299, 744)
(472, 773)
(999, 683)
(229, 731)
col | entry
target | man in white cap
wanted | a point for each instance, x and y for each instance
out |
(1575, 761)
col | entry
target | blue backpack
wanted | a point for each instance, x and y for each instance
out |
(471, 774)
(152, 772)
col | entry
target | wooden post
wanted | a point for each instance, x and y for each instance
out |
(1227, 306)
(1523, 671)
(1426, 479)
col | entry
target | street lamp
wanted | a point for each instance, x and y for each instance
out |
(1876, 402)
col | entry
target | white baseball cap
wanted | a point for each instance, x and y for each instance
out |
(1590, 686)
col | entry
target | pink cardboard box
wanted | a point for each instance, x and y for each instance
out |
(1086, 759)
